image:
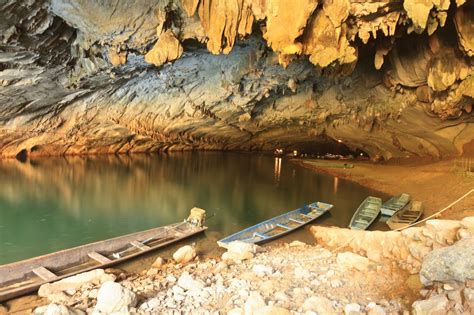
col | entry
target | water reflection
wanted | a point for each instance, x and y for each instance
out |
(53, 203)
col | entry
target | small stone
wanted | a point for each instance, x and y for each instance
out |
(336, 283)
(297, 244)
(271, 310)
(318, 304)
(187, 282)
(255, 301)
(184, 254)
(374, 309)
(113, 297)
(281, 296)
(152, 272)
(235, 311)
(352, 308)
(262, 270)
(171, 278)
(435, 305)
(157, 263)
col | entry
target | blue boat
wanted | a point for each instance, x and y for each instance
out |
(365, 215)
(395, 204)
(278, 226)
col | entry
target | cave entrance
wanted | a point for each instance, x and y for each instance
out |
(326, 148)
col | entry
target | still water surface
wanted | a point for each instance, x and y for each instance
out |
(53, 203)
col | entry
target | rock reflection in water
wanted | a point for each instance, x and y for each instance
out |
(52, 203)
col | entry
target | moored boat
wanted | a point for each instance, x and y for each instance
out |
(278, 226)
(395, 204)
(406, 216)
(366, 214)
(28, 275)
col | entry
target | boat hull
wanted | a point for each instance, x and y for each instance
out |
(76, 260)
(366, 213)
(279, 226)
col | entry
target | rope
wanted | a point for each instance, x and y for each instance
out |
(416, 223)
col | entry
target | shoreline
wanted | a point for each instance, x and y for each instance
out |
(436, 184)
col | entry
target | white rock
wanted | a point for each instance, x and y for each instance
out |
(184, 254)
(297, 244)
(97, 276)
(281, 296)
(54, 309)
(351, 260)
(113, 297)
(239, 251)
(435, 305)
(187, 282)
(300, 272)
(352, 308)
(171, 278)
(336, 283)
(262, 270)
(374, 309)
(318, 304)
(151, 304)
(255, 301)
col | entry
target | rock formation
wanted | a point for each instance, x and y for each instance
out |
(391, 78)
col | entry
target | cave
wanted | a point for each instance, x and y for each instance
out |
(118, 116)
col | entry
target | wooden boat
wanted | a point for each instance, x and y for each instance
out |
(406, 216)
(28, 275)
(365, 215)
(278, 226)
(395, 204)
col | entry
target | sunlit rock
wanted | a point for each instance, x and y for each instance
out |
(184, 254)
(113, 297)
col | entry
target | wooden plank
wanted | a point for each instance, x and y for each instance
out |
(99, 258)
(283, 226)
(140, 246)
(44, 273)
(297, 221)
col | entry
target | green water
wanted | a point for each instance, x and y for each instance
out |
(50, 204)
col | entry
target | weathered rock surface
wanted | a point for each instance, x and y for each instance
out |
(95, 76)
(114, 298)
(454, 263)
(184, 254)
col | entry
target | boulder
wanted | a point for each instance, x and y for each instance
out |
(184, 254)
(113, 297)
(450, 263)
(437, 304)
(374, 309)
(297, 244)
(350, 260)
(238, 251)
(318, 304)
(96, 277)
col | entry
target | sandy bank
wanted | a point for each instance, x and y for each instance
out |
(437, 184)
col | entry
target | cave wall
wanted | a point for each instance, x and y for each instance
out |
(392, 78)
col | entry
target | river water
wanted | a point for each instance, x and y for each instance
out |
(50, 204)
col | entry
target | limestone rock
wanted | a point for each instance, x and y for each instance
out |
(350, 260)
(437, 304)
(464, 22)
(238, 251)
(157, 263)
(253, 303)
(96, 277)
(446, 264)
(117, 58)
(167, 48)
(352, 309)
(184, 254)
(318, 304)
(271, 310)
(113, 297)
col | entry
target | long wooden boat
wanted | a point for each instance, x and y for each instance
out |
(28, 275)
(406, 216)
(395, 204)
(278, 226)
(366, 214)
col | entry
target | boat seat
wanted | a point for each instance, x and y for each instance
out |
(259, 235)
(283, 226)
(44, 273)
(306, 216)
(361, 222)
(140, 245)
(297, 221)
(99, 258)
